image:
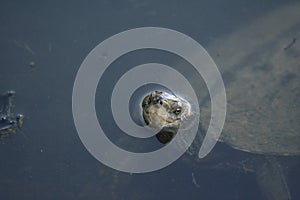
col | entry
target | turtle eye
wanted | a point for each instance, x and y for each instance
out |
(177, 111)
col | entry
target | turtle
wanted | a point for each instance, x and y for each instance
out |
(260, 67)
(167, 112)
(8, 122)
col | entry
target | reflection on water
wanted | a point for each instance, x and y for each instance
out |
(43, 46)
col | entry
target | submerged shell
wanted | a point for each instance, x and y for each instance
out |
(260, 65)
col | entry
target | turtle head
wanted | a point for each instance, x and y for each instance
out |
(164, 111)
(161, 109)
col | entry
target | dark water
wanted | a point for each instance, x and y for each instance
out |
(46, 160)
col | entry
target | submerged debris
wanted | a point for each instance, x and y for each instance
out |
(195, 181)
(32, 64)
(8, 122)
(290, 44)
